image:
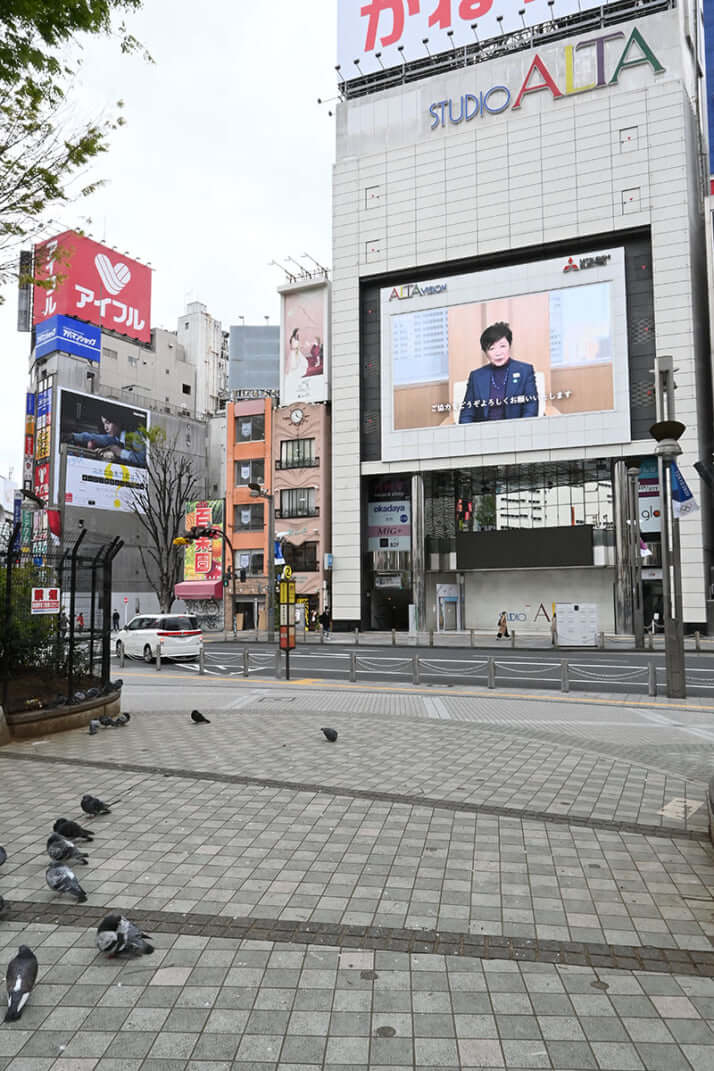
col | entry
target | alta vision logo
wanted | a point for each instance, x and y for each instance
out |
(412, 290)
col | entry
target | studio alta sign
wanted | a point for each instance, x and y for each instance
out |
(609, 58)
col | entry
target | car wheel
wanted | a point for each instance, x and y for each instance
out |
(148, 654)
(120, 648)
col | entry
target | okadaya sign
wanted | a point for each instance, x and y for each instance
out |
(64, 335)
(45, 601)
(596, 63)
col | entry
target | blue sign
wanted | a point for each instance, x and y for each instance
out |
(683, 501)
(64, 335)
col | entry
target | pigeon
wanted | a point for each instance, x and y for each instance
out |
(19, 979)
(3, 855)
(60, 849)
(198, 718)
(117, 934)
(92, 693)
(79, 697)
(93, 726)
(62, 879)
(106, 721)
(72, 830)
(330, 734)
(121, 719)
(92, 805)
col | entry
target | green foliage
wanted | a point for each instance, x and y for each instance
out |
(43, 156)
(28, 640)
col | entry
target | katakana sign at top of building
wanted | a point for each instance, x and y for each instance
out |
(376, 33)
(92, 282)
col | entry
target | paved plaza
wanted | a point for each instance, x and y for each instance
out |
(460, 881)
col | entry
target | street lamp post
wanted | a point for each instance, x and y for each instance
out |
(667, 434)
(258, 491)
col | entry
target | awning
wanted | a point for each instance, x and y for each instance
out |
(200, 589)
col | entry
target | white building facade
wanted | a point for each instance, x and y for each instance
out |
(206, 348)
(552, 184)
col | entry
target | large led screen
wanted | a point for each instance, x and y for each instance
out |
(106, 460)
(523, 357)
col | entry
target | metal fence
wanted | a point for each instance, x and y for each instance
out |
(49, 659)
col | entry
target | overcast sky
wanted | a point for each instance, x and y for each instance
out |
(224, 163)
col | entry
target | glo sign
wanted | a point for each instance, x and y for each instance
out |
(499, 98)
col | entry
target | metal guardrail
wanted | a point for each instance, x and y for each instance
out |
(471, 638)
(563, 674)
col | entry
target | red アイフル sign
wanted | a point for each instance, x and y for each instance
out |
(92, 282)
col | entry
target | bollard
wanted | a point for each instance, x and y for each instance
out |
(431, 637)
(652, 677)
(394, 637)
(353, 667)
(697, 641)
(201, 660)
(158, 656)
(472, 636)
(322, 635)
(564, 679)
(277, 664)
(650, 644)
(491, 673)
(121, 656)
(602, 641)
(245, 661)
(513, 637)
(356, 637)
(415, 670)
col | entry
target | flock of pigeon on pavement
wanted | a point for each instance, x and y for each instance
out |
(115, 933)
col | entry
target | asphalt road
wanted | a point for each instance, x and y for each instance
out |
(592, 671)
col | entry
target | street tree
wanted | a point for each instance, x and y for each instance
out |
(160, 507)
(44, 152)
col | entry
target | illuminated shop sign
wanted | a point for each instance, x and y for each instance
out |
(499, 98)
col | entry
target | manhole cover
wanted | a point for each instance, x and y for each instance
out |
(385, 1032)
(369, 976)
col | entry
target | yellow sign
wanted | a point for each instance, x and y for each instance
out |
(287, 572)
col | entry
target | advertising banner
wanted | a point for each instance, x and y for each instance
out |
(29, 454)
(43, 434)
(203, 560)
(106, 460)
(385, 33)
(389, 515)
(512, 357)
(65, 335)
(649, 497)
(82, 278)
(45, 601)
(303, 363)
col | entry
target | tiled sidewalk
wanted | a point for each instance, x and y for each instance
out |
(214, 1004)
(262, 819)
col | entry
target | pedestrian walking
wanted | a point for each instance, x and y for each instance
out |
(63, 624)
(554, 630)
(80, 622)
(325, 622)
(115, 621)
(502, 626)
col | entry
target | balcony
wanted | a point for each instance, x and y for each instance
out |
(308, 463)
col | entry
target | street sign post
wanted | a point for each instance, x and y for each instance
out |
(287, 616)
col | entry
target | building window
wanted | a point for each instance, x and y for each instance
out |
(297, 453)
(298, 502)
(186, 388)
(252, 471)
(248, 518)
(112, 355)
(133, 361)
(250, 429)
(302, 559)
(250, 560)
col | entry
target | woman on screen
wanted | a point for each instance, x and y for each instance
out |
(503, 389)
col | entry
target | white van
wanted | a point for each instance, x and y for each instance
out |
(179, 635)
